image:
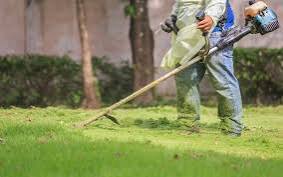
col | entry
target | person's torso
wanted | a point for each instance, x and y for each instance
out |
(188, 7)
(228, 21)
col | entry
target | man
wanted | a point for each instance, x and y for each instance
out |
(186, 44)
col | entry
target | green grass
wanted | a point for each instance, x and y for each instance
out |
(43, 143)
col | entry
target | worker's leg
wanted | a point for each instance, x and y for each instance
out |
(188, 97)
(221, 72)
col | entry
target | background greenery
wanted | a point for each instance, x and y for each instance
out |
(260, 72)
(37, 80)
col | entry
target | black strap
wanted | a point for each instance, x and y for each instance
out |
(223, 18)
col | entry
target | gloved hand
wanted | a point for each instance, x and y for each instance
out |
(170, 25)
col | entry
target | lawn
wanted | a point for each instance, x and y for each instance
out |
(39, 142)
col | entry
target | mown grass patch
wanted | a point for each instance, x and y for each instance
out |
(42, 142)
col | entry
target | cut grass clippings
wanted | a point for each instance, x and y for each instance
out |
(43, 143)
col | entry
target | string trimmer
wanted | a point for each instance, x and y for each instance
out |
(259, 19)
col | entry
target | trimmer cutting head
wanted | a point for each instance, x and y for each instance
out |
(113, 119)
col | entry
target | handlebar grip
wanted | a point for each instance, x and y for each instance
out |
(200, 15)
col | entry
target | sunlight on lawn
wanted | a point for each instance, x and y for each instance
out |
(42, 142)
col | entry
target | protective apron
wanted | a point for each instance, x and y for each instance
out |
(189, 40)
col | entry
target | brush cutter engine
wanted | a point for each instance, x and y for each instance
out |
(259, 19)
(262, 18)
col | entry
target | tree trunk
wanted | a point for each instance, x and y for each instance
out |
(142, 45)
(91, 99)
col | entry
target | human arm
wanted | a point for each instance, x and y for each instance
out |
(214, 11)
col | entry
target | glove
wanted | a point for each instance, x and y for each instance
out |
(170, 25)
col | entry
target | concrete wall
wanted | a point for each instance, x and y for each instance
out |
(50, 27)
(12, 27)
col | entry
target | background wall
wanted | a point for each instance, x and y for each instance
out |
(12, 30)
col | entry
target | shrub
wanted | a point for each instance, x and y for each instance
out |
(38, 80)
(115, 81)
(260, 72)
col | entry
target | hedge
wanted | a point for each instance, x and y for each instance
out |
(260, 72)
(38, 80)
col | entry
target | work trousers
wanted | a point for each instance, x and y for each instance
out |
(221, 74)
